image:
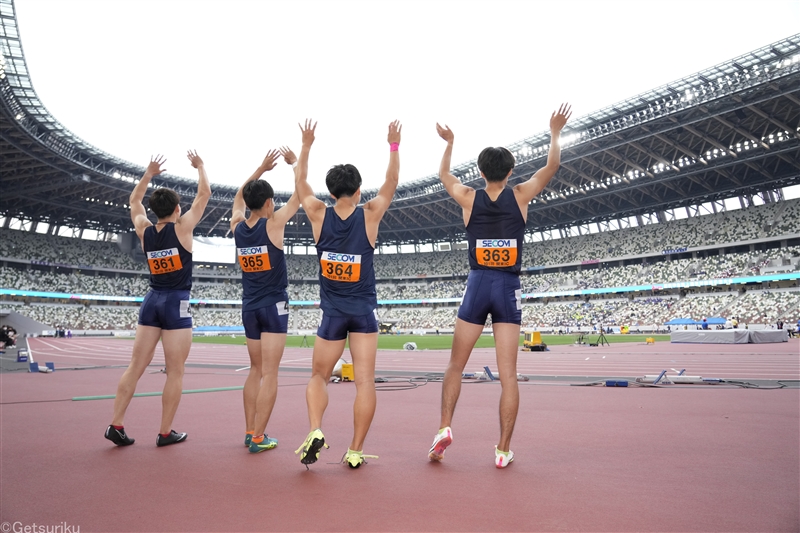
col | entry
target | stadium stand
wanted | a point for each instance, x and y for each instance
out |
(87, 281)
(638, 202)
(752, 307)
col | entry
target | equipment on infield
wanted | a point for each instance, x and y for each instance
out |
(533, 342)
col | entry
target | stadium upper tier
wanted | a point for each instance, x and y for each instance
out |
(730, 130)
(700, 235)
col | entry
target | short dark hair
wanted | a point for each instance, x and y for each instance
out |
(495, 163)
(163, 202)
(343, 180)
(256, 193)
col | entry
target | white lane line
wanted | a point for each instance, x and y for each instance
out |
(86, 357)
(30, 353)
(52, 346)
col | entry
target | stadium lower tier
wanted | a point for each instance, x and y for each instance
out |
(765, 307)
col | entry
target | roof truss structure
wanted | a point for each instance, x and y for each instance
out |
(729, 130)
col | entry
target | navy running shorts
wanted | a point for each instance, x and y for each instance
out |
(166, 310)
(336, 328)
(270, 319)
(491, 293)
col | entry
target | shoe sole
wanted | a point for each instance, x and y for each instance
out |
(310, 455)
(437, 454)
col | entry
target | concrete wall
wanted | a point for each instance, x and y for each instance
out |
(21, 323)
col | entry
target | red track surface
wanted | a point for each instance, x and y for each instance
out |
(588, 459)
(733, 361)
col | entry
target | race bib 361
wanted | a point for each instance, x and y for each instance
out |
(164, 261)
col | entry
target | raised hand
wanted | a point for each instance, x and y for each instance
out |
(394, 132)
(445, 133)
(288, 155)
(308, 132)
(194, 158)
(154, 167)
(270, 160)
(560, 117)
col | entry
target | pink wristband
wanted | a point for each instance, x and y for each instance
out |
(394, 147)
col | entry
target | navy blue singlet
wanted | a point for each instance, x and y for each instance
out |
(495, 233)
(347, 276)
(169, 262)
(264, 278)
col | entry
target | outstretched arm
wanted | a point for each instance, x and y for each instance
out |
(192, 217)
(313, 206)
(239, 209)
(462, 194)
(378, 205)
(527, 191)
(138, 212)
(282, 215)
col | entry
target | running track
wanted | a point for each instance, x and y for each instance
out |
(732, 361)
(685, 458)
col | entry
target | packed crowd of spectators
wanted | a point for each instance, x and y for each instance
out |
(33, 279)
(753, 307)
(769, 220)
(64, 250)
(78, 316)
(596, 276)
(411, 276)
(766, 307)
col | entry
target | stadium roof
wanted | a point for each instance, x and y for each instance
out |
(729, 130)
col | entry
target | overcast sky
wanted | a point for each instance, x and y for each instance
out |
(232, 79)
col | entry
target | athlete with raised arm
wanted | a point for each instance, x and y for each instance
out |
(495, 219)
(345, 235)
(265, 302)
(165, 312)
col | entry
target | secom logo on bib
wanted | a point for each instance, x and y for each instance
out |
(496, 253)
(340, 267)
(254, 259)
(164, 261)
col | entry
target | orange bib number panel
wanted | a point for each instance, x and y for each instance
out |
(496, 253)
(340, 267)
(254, 259)
(164, 261)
